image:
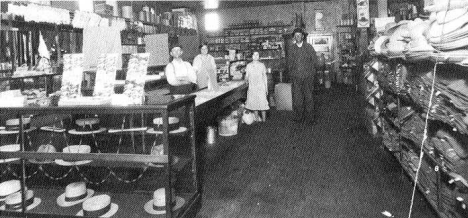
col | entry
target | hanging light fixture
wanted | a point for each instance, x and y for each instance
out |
(86, 5)
(211, 4)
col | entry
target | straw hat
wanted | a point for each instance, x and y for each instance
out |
(83, 149)
(10, 148)
(173, 123)
(7, 188)
(75, 193)
(48, 148)
(448, 16)
(380, 43)
(87, 124)
(13, 201)
(157, 205)
(98, 206)
(13, 124)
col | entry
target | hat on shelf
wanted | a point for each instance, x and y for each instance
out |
(157, 205)
(7, 188)
(13, 201)
(13, 124)
(98, 206)
(47, 148)
(87, 124)
(173, 124)
(9, 148)
(75, 193)
(82, 149)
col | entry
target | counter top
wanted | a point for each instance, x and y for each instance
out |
(205, 95)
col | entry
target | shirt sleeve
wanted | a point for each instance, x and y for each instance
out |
(191, 73)
(197, 63)
(170, 76)
(213, 62)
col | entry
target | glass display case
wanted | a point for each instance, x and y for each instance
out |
(113, 161)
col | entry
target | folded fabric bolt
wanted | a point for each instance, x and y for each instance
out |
(450, 15)
(457, 147)
(444, 5)
(437, 30)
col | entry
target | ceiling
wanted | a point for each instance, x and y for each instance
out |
(226, 4)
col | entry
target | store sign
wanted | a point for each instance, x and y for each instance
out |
(363, 13)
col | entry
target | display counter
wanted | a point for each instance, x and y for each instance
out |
(209, 106)
(140, 156)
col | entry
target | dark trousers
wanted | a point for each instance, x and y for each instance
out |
(303, 98)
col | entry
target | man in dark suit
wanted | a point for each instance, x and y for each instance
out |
(302, 63)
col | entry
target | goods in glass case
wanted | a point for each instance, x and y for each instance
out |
(135, 81)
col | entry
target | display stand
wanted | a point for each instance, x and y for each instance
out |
(399, 92)
(128, 177)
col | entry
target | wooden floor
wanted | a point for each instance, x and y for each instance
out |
(284, 169)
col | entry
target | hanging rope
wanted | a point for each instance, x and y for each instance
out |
(89, 180)
(131, 180)
(118, 151)
(53, 177)
(17, 176)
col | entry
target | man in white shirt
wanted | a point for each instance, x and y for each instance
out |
(179, 73)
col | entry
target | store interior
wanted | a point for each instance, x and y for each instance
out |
(90, 124)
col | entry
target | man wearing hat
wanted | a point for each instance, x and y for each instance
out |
(179, 73)
(302, 63)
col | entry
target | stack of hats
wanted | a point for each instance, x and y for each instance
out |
(7, 188)
(398, 34)
(13, 201)
(10, 196)
(418, 47)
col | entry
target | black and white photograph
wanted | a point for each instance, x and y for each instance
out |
(234, 108)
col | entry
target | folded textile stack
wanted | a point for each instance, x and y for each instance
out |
(449, 29)
(452, 147)
(413, 129)
(449, 98)
(390, 137)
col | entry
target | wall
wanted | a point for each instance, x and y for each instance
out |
(332, 10)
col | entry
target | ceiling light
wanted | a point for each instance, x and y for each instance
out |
(211, 4)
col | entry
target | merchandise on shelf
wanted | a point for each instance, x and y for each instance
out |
(135, 81)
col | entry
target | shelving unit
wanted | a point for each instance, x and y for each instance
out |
(129, 176)
(267, 40)
(347, 50)
(402, 103)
